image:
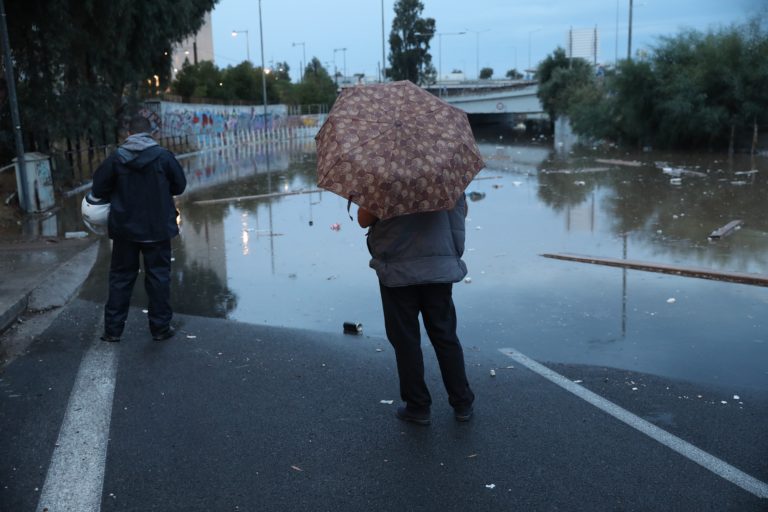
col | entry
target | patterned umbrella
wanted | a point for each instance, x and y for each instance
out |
(396, 149)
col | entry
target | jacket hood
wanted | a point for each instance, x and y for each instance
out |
(138, 150)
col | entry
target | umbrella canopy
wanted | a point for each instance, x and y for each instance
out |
(396, 149)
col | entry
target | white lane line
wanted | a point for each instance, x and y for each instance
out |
(75, 476)
(687, 450)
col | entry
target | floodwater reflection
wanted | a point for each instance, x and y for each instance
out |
(282, 260)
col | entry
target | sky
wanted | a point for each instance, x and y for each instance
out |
(500, 34)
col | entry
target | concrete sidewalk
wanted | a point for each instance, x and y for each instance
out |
(38, 276)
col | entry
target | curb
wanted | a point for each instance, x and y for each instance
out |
(55, 290)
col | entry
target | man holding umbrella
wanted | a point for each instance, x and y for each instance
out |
(417, 259)
(405, 157)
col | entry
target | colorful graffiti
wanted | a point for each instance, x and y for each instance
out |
(180, 119)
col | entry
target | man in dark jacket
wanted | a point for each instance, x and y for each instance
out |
(417, 259)
(140, 179)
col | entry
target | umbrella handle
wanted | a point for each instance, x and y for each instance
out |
(349, 204)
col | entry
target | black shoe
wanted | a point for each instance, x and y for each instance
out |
(463, 414)
(164, 335)
(107, 337)
(413, 417)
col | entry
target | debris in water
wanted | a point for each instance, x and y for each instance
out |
(388, 402)
(490, 486)
(297, 468)
(736, 397)
(336, 226)
(467, 279)
(671, 300)
(493, 373)
(191, 336)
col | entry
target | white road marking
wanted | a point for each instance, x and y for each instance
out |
(75, 476)
(687, 450)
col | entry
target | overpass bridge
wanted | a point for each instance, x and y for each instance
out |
(484, 97)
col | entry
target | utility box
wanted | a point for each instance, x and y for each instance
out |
(36, 187)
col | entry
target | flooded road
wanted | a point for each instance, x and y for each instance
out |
(279, 261)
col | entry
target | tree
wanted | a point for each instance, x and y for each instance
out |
(486, 73)
(316, 87)
(514, 74)
(559, 78)
(409, 56)
(75, 61)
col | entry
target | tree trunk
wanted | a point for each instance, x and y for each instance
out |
(754, 136)
(731, 143)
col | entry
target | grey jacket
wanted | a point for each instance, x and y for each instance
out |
(420, 248)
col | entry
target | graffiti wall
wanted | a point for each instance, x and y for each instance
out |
(179, 119)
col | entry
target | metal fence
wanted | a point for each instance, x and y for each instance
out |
(77, 165)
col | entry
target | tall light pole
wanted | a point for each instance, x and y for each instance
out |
(263, 70)
(25, 200)
(530, 32)
(303, 55)
(247, 42)
(440, 49)
(477, 48)
(335, 72)
(629, 37)
(383, 64)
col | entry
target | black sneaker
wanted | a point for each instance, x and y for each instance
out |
(110, 338)
(463, 414)
(419, 418)
(164, 335)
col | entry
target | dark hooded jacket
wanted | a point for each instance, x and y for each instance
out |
(140, 179)
(421, 248)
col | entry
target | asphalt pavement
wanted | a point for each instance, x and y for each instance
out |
(230, 416)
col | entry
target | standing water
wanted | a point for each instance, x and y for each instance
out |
(297, 259)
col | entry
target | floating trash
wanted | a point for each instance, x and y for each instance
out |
(352, 328)
(671, 300)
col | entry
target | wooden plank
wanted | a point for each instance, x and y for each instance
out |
(725, 230)
(258, 196)
(626, 163)
(702, 273)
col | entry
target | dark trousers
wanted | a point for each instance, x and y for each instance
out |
(402, 306)
(124, 268)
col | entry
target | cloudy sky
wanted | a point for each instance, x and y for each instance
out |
(500, 34)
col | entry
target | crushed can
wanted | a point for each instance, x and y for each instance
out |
(353, 328)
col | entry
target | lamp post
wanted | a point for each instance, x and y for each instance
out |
(383, 64)
(25, 200)
(335, 72)
(530, 32)
(263, 69)
(477, 48)
(440, 48)
(629, 37)
(247, 42)
(303, 56)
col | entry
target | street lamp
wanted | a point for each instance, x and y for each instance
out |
(629, 37)
(263, 69)
(247, 43)
(440, 47)
(303, 55)
(335, 73)
(383, 64)
(477, 48)
(530, 32)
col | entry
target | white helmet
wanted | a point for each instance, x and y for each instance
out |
(95, 213)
